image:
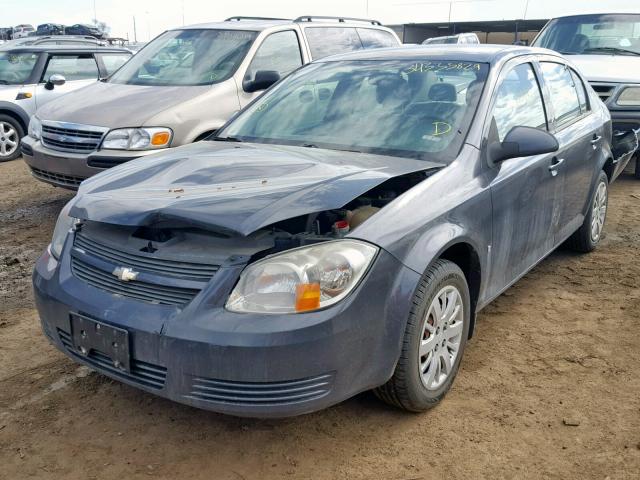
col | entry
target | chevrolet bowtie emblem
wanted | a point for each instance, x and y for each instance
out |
(125, 274)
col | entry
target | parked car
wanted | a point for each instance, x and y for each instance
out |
(31, 76)
(340, 234)
(50, 29)
(23, 30)
(6, 33)
(606, 48)
(84, 29)
(461, 38)
(182, 87)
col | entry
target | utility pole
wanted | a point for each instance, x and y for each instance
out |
(135, 35)
(183, 13)
(95, 15)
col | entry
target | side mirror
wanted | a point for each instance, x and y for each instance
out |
(55, 80)
(523, 142)
(263, 80)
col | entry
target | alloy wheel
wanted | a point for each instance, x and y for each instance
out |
(8, 139)
(441, 337)
(599, 211)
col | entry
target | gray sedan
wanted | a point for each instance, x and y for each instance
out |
(340, 234)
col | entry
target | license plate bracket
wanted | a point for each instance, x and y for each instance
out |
(89, 335)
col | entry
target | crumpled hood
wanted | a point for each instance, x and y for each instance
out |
(115, 105)
(236, 188)
(608, 68)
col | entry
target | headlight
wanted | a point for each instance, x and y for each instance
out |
(301, 280)
(35, 128)
(63, 226)
(630, 97)
(137, 138)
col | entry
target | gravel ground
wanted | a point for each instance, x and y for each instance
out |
(548, 388)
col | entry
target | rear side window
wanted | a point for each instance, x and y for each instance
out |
(371, 38)
(72, 67)
(112, 62)
(280, 52)
(519, 102)
(564, 96)
(582, 94)
(325, 41)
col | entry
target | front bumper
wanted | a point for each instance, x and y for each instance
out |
(68, 170)
(622, 121)
(239, 364)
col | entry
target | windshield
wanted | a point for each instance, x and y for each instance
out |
(592, 34)
(187, 57)
(416, 108)
(16, 68)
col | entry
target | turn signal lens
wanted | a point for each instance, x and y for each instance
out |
(307, 297)
(160, 138)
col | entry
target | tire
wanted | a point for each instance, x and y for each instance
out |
(10, 133)
(637, 170)
(583, 240)
(407, 389)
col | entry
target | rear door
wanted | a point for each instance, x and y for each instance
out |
(77, 69)
(524, 191)
(579, 133)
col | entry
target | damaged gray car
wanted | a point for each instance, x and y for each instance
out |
(339, 235)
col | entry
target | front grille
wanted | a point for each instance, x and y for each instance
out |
(260, 393)
(604, 90)
(172, 268)
(142, 373)
(83, 139)
(148, 292)
(58, 178)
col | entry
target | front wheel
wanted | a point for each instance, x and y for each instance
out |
(10, 134)
(637, 170)
(587, 237)
(434, 340)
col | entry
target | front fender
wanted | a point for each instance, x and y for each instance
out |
(16, 110)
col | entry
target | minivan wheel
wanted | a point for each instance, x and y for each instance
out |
(587, 237)
(434, 340)
(10, 134)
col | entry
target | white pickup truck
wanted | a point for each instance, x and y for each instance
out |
(606, 49)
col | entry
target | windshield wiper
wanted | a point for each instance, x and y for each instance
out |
(4, 82)
(226, 139)
(610, 49)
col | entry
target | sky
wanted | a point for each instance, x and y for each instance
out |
(154, 16)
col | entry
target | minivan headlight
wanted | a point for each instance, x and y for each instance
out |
(35, 128)
(138, 138)
(303, 279)
(629, 97)
(63, 227)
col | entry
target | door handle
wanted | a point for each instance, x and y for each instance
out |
(555, 164)
(596, 139)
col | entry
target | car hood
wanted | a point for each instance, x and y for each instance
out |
(608, 68)
(115, 105)
(234, 188)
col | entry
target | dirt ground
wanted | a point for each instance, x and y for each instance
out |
(549, 386)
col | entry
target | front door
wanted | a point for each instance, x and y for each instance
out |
(524, 191)
(77, 69)
(279, 52)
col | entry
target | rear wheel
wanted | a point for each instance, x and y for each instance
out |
(434, 340)
(637, 171)
(10, 134)
(587, 237)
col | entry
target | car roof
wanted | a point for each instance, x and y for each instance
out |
(62, 48)
(253, 25)
(482, 53)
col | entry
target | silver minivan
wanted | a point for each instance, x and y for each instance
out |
(180, 88)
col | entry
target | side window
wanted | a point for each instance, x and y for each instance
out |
(72, 67)
(564, 96)
(371, 38)
(519, 102)
(582, 93)
(280, 51)
(114, 61)
(325, 41)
